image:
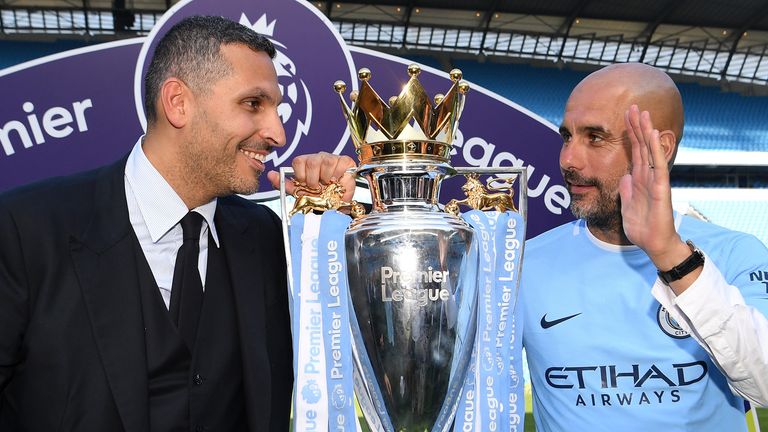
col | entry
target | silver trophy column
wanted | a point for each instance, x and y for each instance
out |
(412, 280)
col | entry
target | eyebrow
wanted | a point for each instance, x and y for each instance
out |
(598, 129)
(586, 129)
(259, 92)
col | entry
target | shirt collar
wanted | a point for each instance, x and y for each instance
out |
(160, 206)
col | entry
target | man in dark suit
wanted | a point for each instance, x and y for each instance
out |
(95, 334)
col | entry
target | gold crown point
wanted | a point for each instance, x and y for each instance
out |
(381, 128)
(340, 86)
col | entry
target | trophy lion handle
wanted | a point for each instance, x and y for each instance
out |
(478, 197)
(323, 199)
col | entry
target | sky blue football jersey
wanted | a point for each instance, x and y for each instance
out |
(604, 355)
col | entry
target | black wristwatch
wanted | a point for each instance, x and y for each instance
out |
(694, 261)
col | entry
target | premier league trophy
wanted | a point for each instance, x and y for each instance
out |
(413, 265)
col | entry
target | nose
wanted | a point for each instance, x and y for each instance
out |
(272, 129)
(571, 156)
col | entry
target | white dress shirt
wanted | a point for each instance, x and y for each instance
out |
(155, 211)
(734, 334)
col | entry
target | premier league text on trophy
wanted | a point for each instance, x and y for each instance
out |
(414, 285)
(508, 278)
(334, 275)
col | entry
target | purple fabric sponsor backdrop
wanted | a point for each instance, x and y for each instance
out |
(81, 115)
(81, 109)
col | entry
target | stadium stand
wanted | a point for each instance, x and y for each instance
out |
(747, 215)
(739, 209)
(541, 90)
(15, 52)
(715, 120)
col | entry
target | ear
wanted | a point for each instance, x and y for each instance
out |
(175, 102)
(668, 141)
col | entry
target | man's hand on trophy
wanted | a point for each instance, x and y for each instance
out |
(318, 170)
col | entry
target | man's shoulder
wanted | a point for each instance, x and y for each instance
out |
(555, 236)
(57, 191)
(710, 236)
(237, 205)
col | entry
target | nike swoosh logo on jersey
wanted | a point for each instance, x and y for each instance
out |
(547, 324)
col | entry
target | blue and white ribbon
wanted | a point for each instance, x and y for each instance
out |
(513, 249)
(323, 392)
(335, 298)
(493, 392)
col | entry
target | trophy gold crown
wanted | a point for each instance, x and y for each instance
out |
(406, 126)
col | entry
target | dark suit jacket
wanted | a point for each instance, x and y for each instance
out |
(72, 349)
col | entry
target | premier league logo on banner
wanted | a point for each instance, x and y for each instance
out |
(304, 86)
(296, 108)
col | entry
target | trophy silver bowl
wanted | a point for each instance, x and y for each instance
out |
(412, 280)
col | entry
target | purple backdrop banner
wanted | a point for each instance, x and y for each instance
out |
(67, 112)
(83, 108)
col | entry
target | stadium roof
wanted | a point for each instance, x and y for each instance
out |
(715, 39)
(733, 14)
(724, 40)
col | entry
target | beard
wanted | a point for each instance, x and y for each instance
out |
(604, 212)
(217, 173)
(212, 167)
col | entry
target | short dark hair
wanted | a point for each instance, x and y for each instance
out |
(191, 51)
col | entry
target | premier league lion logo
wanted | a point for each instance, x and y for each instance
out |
(296, 108)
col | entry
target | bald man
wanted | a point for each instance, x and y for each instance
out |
(637, 318)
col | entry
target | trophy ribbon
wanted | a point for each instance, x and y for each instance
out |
(492, 391)
(323, 392)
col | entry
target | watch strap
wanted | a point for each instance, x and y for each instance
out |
(694, 261)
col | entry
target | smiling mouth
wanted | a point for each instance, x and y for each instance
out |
(254, 155)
